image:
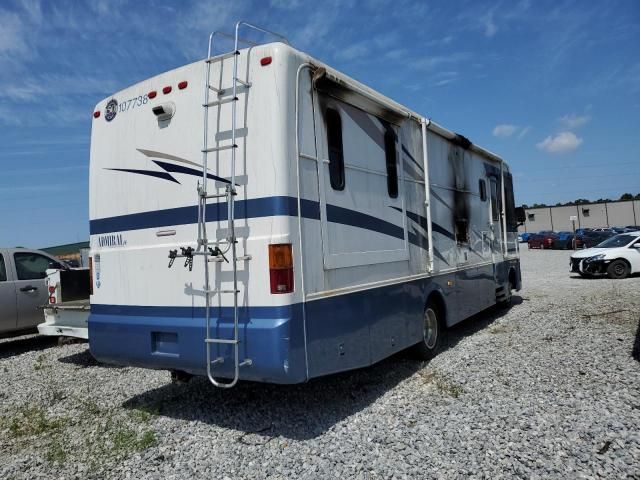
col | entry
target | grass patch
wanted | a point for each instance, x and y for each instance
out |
(443, 384)
(144, 413)
(32, 420)
(495, 329)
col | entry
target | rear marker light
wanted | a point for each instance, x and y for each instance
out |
(183, 85)
(264, 61)
(96, 114)
(52, 290)
(152, 94)
(166, 90)
(281, 268)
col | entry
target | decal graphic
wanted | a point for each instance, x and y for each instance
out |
(169, 168)
(112, 240)
(96, 264)
(110, 110)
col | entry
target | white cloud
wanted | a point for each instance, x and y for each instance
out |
(353, 52)
(563, 142)
(573, 121)
(490, 28)
(505, 130)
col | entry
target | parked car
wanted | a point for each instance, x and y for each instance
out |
(22, 287)
(633, 228)
(524, 237)
(542, 241)
(591, 239)
(563, 240)
(616, 257)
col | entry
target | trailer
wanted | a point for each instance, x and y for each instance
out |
(258, 215)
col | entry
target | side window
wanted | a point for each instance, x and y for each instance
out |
(32, 266)
(336, 153)
(3, 269)
(392, 167)
(483, 190)
(495, 211)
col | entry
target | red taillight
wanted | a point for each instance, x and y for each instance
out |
(52, 290)
(166, 89)
(152, 94)
(182, 85)
(264, 61)
(96, 114)
(90, 275)
(281, 268)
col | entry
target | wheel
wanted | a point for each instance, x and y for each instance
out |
(432, 333)
(618, 269)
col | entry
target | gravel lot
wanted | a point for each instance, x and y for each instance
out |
(547, 389)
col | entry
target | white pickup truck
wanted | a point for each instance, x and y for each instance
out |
(67, 310)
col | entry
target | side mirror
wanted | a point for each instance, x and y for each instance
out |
(520, 215)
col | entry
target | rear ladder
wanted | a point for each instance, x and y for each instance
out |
(214, 251)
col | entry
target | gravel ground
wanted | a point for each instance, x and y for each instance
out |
(547, 389)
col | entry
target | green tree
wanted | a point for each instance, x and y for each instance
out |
(626, 196)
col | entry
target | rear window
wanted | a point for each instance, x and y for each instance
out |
(3, 270)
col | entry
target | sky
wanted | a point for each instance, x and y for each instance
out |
(551, 86)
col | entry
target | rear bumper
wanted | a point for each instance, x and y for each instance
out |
(172, 338)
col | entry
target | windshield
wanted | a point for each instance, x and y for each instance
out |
(617, 241)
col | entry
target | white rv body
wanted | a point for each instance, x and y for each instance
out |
(363, 272)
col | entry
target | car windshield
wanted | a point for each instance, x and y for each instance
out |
(617, 241)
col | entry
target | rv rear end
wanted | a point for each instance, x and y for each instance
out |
(146, 164)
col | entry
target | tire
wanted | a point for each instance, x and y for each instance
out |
(432, 334)
(618, 269)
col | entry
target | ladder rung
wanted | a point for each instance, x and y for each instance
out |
(215, 103)
(242, 82)
(217, 195)
(218, 149)
(217, 90)
(221, 340)
(221, 57)
(243, 258)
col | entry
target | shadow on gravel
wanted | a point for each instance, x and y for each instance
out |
(84, 359)
(261, 412)
(11, 348)
(476, 323)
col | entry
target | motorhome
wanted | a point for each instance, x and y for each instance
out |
(258, 215)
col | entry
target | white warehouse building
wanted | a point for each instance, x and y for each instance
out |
(588, 215)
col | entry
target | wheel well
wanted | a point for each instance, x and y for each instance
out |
(624, 260)
(436, 299)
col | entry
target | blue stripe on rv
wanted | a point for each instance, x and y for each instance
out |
(253, 208)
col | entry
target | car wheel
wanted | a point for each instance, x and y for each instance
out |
(618, 269)
(432, 333)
